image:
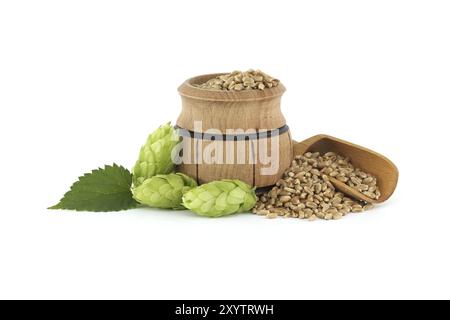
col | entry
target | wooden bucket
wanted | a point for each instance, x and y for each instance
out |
(233, 134)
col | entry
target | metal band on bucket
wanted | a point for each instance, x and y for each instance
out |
(266, 134)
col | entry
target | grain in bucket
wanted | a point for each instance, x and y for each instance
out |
(233, 134)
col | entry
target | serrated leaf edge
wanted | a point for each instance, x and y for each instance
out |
(59, 206)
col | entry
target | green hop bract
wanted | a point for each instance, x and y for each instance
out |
(156, 155)
(220, 198)
(164, 191)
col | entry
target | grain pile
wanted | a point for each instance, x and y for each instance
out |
(238, 81)
(305, 191)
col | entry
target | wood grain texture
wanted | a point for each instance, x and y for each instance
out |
(367, 160)
(248, 168)
(256, 110)
(248, 109)
(285, 158)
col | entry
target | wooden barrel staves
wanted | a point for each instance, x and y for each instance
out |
(233, 134)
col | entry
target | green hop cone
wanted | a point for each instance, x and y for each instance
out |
(156, 155)
(164, 191)
(220, 198)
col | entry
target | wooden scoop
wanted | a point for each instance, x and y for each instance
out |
(367, 160)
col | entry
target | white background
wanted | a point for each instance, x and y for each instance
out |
(82, 83)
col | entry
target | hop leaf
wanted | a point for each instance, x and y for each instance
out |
(220, 198)
(164, 191)
(156, 155)
(104, 190)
